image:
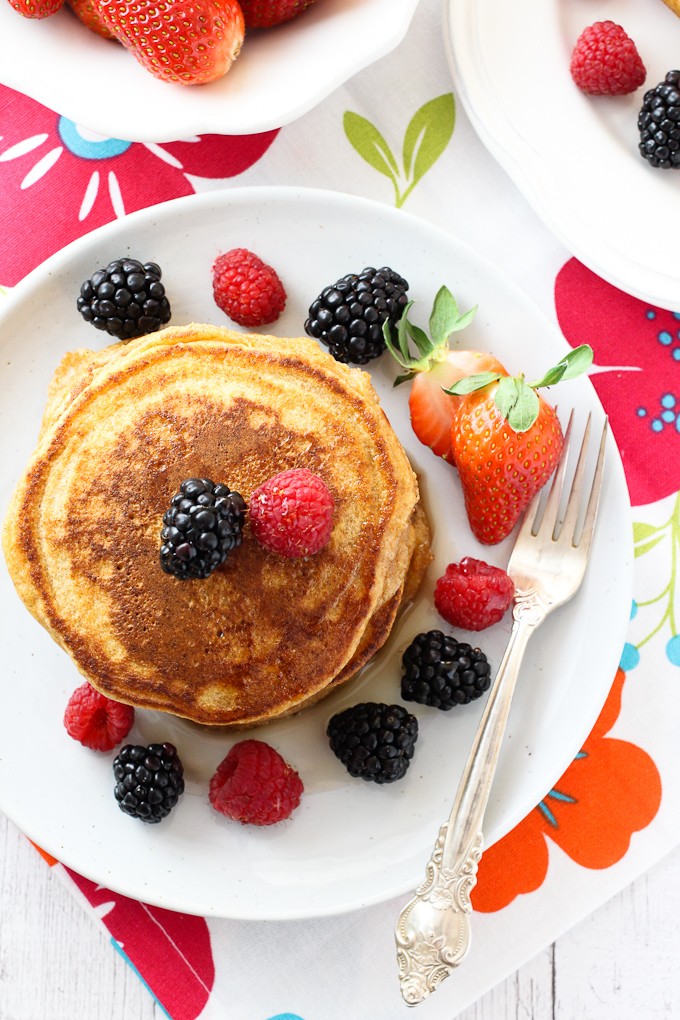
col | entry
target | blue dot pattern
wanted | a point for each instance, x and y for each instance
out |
(89, 148)
(673, 650)
(629, 658)
(668, 338)
(666, 414)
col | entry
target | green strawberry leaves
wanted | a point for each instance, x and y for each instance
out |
(575, 363)
(425, 139)
(516, 399)
(517, 402)
(472, 383)
(444, 320)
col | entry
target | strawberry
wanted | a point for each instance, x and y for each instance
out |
(506, 442)
(504, 439)
(36, 8)
(88, 12)
(188, 42)
(431, 407)
(266, 13)
(436, 368)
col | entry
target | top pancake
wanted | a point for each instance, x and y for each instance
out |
(263, 634)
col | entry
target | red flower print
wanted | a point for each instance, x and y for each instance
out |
(636, 374)
(171, 951)
(60, 181)
(611, 790)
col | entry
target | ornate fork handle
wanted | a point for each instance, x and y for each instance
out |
(433, 929)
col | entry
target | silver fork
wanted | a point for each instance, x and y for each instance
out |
(547, 565)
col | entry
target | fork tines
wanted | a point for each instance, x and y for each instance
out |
(570, 524)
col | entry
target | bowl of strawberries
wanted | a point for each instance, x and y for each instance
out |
(164, 70)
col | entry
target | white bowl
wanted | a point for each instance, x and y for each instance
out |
(280, 74)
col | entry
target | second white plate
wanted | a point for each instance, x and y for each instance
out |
(574, 157)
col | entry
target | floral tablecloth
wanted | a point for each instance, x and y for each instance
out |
(616, 809)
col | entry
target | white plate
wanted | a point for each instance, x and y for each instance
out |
(280, 73)
(350, 843)
(574, 157)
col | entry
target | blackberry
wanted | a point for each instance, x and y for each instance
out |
(374, 741)
(659, 123)
(348, 317)
(127, 299)
(149, 780)
(442, 672)
(203, 523)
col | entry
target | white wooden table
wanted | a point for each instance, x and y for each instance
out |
(619, 964)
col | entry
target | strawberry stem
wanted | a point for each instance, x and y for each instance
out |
(516, 399)
(445, 319)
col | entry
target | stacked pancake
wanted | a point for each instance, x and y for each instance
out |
(263, 635)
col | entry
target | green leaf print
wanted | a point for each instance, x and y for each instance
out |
(370, 144)
(641, 531)
(427, 134)
(645, 547)
(662, 605)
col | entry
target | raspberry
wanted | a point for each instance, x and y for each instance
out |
(254, 785)
(247, 289)
(473, 595)
(95, 720)
(605, 61)
(292, 513)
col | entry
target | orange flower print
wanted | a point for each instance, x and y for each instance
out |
(611, 790)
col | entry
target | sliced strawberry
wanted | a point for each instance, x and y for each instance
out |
(432, 409)
(436, 367)
(504, 439)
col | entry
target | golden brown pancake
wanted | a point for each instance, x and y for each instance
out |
(263, 635)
